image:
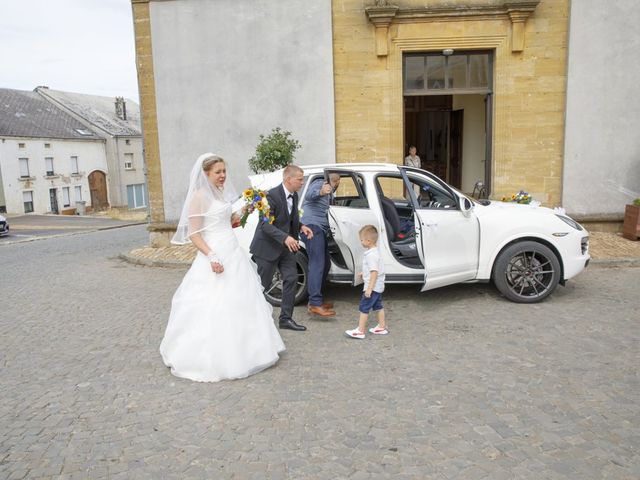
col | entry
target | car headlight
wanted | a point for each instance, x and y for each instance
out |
(570, 221)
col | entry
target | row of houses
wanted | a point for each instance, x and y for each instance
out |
(65, 153)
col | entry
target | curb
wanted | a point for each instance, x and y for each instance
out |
(147, 262)
(615, 262)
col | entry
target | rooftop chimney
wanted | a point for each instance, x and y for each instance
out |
(121, 108)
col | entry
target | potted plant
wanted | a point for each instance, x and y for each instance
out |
(274, 151)
(631, 226)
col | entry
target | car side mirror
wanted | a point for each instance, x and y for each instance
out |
(466, 206)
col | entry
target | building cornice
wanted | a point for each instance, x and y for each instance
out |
(65, 139)
(383, 14)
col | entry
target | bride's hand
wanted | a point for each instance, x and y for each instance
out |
(217, 267)
(248, 209)
(214, 261)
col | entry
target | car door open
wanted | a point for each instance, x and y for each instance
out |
(447, 238)
(348, 213)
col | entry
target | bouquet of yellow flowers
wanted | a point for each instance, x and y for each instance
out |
(256, 200)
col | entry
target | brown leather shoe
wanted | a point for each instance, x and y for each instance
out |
(328, 305)
(321, 310)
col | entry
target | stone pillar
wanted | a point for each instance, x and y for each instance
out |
(149, 120)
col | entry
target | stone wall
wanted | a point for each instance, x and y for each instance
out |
(227, 71)
(602, 150)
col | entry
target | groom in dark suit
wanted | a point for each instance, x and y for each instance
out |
(275, 245)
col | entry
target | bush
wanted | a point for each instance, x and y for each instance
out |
(274, 151)
(637, 202)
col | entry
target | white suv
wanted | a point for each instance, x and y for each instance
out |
(434, 235)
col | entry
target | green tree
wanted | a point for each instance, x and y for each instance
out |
(274, 151)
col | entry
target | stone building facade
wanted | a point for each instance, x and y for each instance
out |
(86, 148)
(117, 121)
(48, 159)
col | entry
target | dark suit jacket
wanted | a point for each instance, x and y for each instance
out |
(268, 240)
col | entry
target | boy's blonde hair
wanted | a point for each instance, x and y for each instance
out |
(369, 232)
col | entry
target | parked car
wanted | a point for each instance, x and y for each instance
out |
(434, 235)
(4, 226)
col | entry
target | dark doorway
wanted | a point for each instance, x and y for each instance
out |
(455, 148)
(53, 200)
(98, 190)
(450, 133)
(426, 120)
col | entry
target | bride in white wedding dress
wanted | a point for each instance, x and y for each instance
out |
(220, 326)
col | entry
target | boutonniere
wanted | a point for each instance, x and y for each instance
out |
(300, 212)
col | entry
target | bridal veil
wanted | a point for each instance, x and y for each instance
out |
(202, 199)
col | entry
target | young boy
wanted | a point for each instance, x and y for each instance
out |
(373, 276)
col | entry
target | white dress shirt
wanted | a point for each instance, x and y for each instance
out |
(289, 198)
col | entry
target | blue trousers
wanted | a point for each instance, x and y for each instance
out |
(319, 263)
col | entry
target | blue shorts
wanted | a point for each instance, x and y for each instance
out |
(374, 302)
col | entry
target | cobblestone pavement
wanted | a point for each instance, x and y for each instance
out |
(604, 248)
(466, 385)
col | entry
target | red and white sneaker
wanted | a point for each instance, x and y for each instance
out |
(378, 330)
(355, 333)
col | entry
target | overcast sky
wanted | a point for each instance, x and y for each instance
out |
(83, 46)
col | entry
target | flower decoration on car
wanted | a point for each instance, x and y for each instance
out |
(520, 197)
(256, 200)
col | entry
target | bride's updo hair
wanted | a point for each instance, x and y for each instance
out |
(209, 162)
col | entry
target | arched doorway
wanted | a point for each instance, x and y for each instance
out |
(98, 189)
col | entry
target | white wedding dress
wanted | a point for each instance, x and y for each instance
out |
(220, 326)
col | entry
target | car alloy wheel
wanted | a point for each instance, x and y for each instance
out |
(273, 294)
(526, 272)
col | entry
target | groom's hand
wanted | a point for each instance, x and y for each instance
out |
(292, 244)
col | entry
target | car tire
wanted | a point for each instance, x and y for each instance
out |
(526, 272)
(274, 293)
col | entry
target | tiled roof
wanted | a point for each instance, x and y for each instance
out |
(27, 114)
(99, 111)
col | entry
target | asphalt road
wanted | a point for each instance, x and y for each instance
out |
(465, 386)
(36, 227)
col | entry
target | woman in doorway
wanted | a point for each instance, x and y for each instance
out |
(412, 160)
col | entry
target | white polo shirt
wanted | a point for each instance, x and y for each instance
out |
(372, 260)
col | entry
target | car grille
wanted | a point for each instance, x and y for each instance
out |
(584, 245)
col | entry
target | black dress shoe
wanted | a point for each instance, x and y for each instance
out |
(291, 325)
